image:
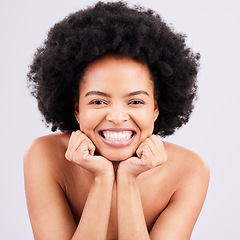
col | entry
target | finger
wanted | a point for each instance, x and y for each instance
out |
(74, 135)
(83, 149)
(147, 142)
(152, 147)
(77, 156)
(140, 149)
(72, 140)
(70, 144)
(144, 153)
(91, 148)
(75, 141)
(78, 139)
(156, 139)
(150, 153)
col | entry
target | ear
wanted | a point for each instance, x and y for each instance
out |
(76, 111)
(156, 110)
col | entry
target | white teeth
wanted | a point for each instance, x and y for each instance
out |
(117, 136)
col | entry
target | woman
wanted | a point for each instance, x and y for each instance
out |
(113, 79)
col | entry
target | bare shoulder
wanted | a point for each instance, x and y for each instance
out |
(46, 155)
(190, 169)
(186, 179)
(185, 159)
(49, 141)
(45, 168)
(48, 145)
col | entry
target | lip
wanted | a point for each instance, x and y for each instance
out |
(117, 143)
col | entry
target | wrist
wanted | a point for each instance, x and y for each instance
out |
(104, 178)
(124, 176)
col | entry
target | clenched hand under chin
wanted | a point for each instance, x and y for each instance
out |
(150, 154)
(81, 152)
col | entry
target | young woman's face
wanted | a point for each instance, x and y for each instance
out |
(116, 107)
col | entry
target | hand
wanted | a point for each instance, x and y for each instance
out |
(81, 151)
(151, 153)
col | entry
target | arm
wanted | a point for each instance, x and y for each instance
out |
(49, 212)
(131, 221)
(95, 217)
(94, 220)
(177, 220)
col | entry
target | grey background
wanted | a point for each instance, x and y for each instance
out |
(213, 130)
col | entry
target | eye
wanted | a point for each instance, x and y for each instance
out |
(97, 102)
(136, 102)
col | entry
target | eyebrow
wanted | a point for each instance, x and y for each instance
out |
(97, 93)
(137, 93)
(108, 95)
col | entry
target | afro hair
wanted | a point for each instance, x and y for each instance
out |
(116, 29)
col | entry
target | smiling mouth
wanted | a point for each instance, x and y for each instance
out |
(117, 135)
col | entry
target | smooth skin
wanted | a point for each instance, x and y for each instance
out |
(79, 187)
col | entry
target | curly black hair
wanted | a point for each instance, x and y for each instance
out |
(116, 29)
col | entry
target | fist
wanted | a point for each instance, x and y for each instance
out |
(151, 153)
(81, 152)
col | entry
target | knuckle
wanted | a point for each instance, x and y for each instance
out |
(92, 147)
(148, 140)
(158, 138)
(74, 133)
(78, 133)
(66, 155)
(152, 137)
(138, 151)
(70, 156)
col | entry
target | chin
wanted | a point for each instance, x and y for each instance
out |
(117, 155)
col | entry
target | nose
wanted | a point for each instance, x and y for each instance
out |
(117, 115)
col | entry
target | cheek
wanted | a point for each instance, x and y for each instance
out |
(145, 121)
(85, 119)
(89, 119)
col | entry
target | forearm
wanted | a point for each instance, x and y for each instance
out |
(131, 221)
(95, 217)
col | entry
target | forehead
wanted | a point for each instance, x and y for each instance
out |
(119, 74)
